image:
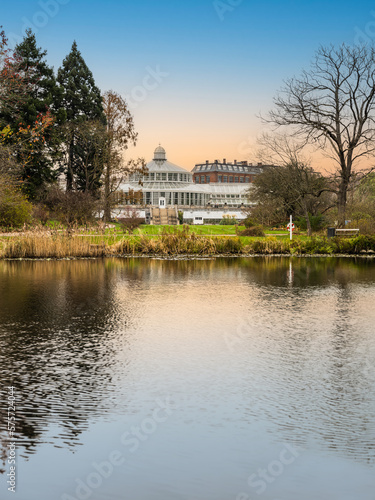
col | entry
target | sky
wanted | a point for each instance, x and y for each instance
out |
(196, 74)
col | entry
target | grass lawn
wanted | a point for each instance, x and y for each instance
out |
(207, 229)
(204, 229)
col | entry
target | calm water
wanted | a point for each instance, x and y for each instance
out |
(228, 379)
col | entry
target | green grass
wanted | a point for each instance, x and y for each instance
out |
(209, 230)
(206, 229)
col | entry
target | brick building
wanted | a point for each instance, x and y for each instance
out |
(222, 172)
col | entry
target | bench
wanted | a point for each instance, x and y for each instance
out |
(347, 232)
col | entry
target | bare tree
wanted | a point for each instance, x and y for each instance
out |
(120, 134)
(293, 188)
(280, 149)
(332, 107)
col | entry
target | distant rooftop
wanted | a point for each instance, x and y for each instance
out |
(224, 166)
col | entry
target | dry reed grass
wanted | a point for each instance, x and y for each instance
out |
(173, 241)
(55, 246)
(177, 242)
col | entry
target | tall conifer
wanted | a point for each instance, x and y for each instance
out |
(82, 101)
(42, 92)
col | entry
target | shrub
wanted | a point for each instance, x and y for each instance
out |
(252, 231)
(355, 245)
(228, 220)
(249, 222)
(130, 220)
(365, 225)
(317, 222)
(71, 207)
(40, 213)
(15, 210)
(128, 224)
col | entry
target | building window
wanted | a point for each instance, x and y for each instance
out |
(225, 178)
(207, 179)
(220, 178)
(241, 179)
(247, 179)
(231, 178)
(202, 179)
(236, 179)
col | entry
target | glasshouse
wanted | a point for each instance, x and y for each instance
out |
(175, 184)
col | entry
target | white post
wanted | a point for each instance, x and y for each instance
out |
(290, 227)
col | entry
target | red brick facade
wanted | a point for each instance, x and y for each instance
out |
(226, 173)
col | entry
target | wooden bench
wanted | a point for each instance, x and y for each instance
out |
(347, 232)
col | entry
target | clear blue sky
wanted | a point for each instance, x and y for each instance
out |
(196, 73)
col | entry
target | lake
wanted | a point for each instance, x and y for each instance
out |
(212, 379)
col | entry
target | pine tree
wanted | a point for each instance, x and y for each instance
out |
(82, 101)
(38, 162)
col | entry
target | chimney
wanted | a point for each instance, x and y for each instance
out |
(206, 162)
(235, 162)
(224, 161)
(216, 161)
(260, 164)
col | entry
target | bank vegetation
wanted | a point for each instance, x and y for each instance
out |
(174, 242)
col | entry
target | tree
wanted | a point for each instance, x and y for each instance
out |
(20, 140)
(15, 210)
(90, 151)
(13, 87)
(41, 97)
(361, 204)
(82, 100)
(120, 133)
(8, 164)
(290, 189)
(332, 107)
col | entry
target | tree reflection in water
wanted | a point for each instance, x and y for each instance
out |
(59, 321)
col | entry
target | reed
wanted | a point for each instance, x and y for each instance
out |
(40, 245)
(173, 241)
(177, 242)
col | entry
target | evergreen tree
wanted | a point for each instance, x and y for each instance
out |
(38, 162)
(82, 102)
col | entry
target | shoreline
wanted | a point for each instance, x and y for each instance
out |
(191, 257)
(182, 245)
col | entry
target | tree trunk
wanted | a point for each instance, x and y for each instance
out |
(107, 202)
(308, 224)
(107, 192)
(69, 172)
(341, 202)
